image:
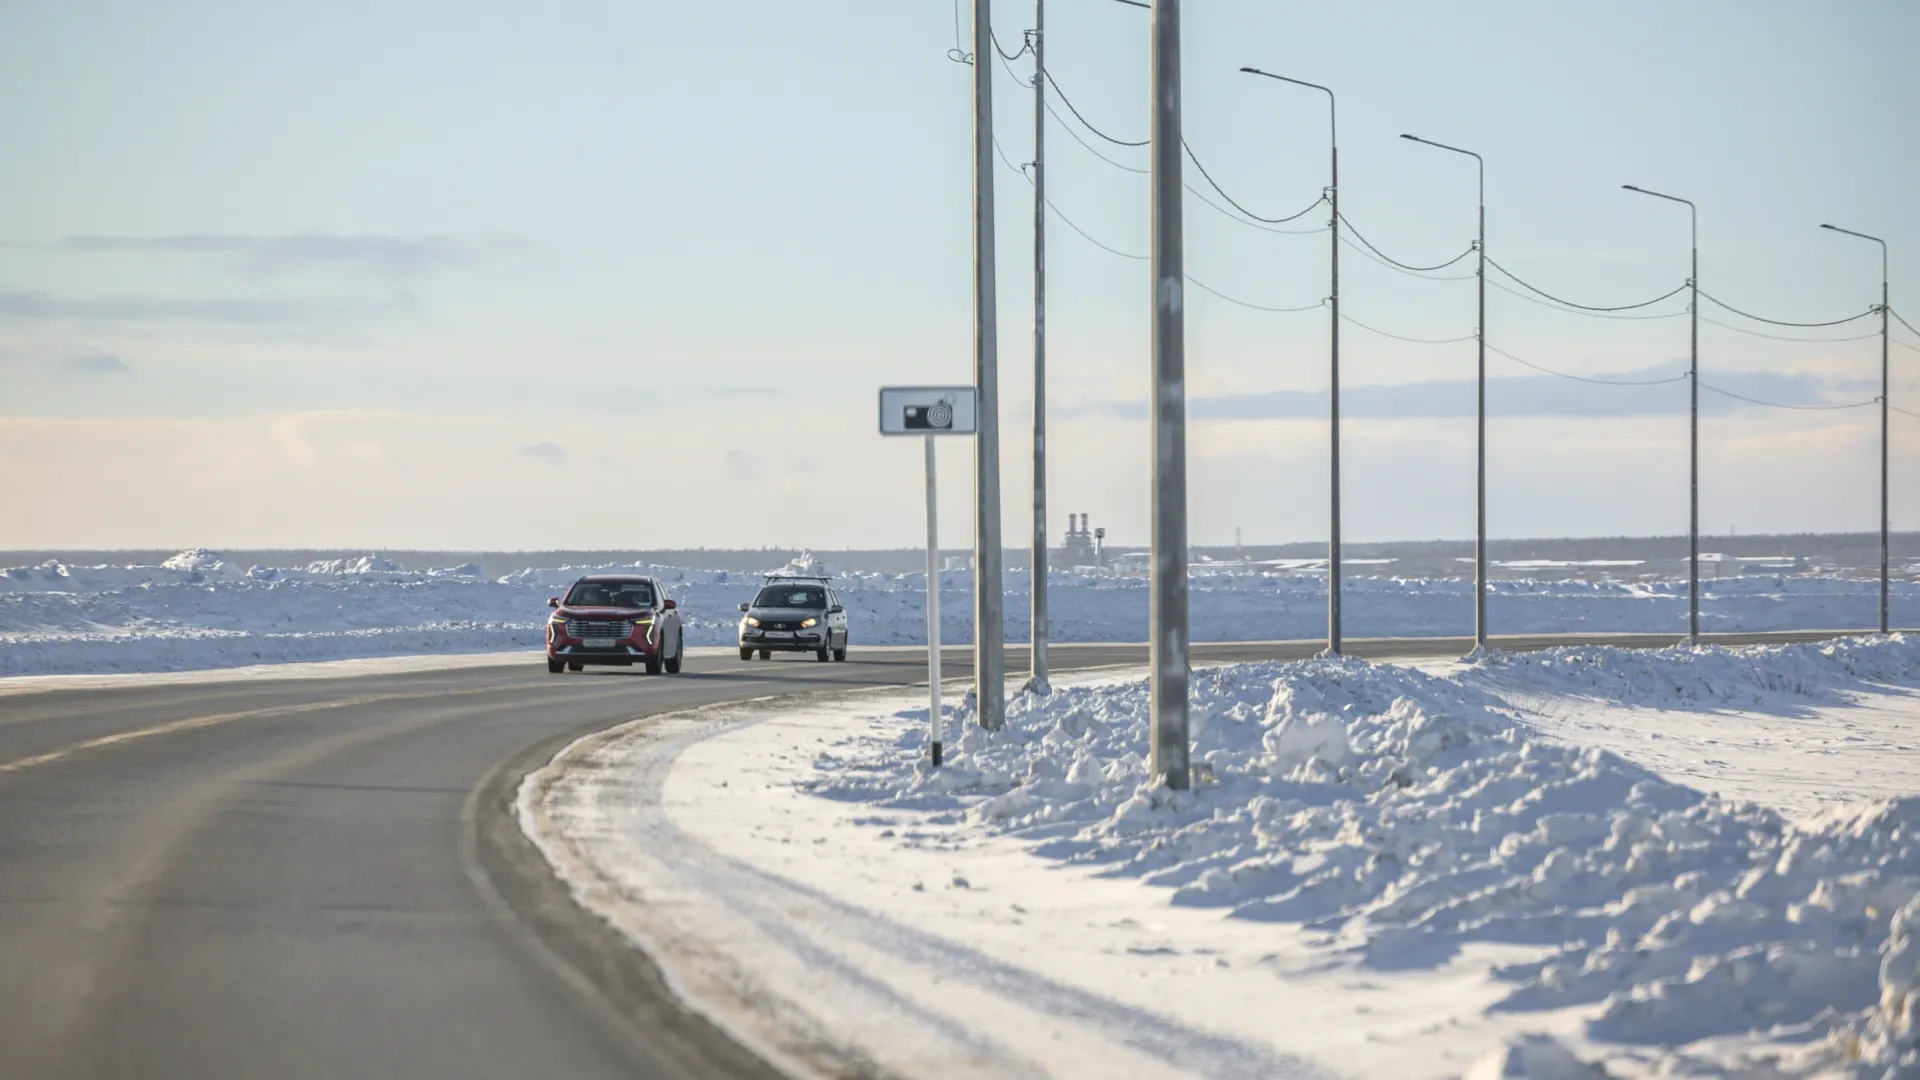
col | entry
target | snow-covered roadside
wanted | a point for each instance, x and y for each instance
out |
(1384, 873)
(198, 610)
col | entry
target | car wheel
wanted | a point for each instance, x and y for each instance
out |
(766, 654)
(840, 654)
(653, 664)
(575, 666)
(746, 654)
(820, 654)
(679, 654)
(555, 667)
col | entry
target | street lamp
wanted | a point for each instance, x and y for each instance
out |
(1885, 307)
(1480, 334)
(1333, 409)
(1693, 410)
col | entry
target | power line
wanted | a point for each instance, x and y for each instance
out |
(1195, 158)
(1578, 311)
(1064, 100)
(1025, 48)
(1203, 286)
(1068, 128)
(1784, 405)
(1783, 322)
(1398, 269)
(958, 54)
(1585, 307)
(1783, 337)
(1404, 266)
(1909, 412)
(1401, 337)
(1682, 377)
(1903, 321)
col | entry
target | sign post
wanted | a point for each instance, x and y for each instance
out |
(929, 412)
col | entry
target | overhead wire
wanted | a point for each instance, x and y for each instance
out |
(1783, 322)
(1903, 321)
(1578, 311)
(1784, 337)
(1398, 269)
(1195, 158)
(1111, 250)
(1785, 405)
(1523, 283)
(1682, 377)
(1402, 337)
(1078, 115)
(1404, 266)
(1909, 412)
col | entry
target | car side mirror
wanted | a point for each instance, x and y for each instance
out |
(669, 605)
(553, 601)
(836, 610)
(745, 607)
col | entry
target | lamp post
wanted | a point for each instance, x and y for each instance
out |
(1038, 628)
(989, 631)
(1693, 412)
(1885, 392)
(1333, 408)
(1480, 412)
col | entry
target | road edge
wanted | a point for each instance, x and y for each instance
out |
(624, 985)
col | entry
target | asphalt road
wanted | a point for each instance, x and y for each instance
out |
(322, 878)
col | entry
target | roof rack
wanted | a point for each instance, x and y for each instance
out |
(823, 579)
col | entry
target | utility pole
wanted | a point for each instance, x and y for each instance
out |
(1168, 589)
(1886, 392)
(1334, 576)
(1037, 618)
(1693, 414)
(1480, 414)
(989, 654)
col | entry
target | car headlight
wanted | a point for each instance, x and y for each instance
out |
(804, 623)
(751, 621)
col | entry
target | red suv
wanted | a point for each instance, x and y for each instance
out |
(615, 619)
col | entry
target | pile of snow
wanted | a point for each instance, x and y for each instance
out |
(1404, 816)
(365, 564)
(805, 565)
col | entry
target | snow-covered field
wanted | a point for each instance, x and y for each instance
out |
(198, 610)
(1684, 862)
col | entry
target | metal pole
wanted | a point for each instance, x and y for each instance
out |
(1037, 617)
(1693, 413)
(1334, 575)
(1480, 498)
(934, 719)
(1693, 430)
(989, 657)
(1169, 406)
(1886, 392)
(1480, 413)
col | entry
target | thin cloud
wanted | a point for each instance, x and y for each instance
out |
(96, 364)
(396, 257)
(1510, 396)
(550, 454)
(34, 306)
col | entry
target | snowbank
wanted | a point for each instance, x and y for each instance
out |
(1405, 817)
(198, 609)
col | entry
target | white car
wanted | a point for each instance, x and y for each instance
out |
(794, 614)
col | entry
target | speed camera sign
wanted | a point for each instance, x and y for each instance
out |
(927, 410)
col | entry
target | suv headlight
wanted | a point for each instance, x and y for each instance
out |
(804, 623)
(751, 621)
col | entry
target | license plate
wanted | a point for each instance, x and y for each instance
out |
(779, 635)
(607, 644)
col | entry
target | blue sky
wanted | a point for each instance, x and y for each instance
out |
(628, 274)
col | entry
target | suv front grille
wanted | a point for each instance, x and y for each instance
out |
(585, 629)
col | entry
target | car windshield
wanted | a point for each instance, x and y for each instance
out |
(627, 594)
(794, 596)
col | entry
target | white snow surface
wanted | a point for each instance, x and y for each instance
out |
(198, 610)
(1380, 872)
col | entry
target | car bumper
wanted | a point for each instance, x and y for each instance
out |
(803, 641)
(578, 653)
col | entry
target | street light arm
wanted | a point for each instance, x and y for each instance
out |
(1476, 157)
(1332, 126)
(1864, 236)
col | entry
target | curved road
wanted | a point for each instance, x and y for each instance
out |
(322, 877)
